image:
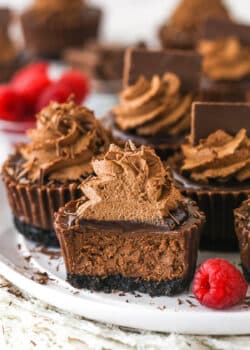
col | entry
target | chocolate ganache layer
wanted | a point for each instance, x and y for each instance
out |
(132, 229)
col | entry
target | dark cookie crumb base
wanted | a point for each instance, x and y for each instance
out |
(42, 236)
(128, 284)
(246, 273)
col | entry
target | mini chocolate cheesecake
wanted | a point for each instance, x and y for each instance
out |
(181, 30)
(213, 168)
(101, 61)
(44, 175)
(155, 104)
(242, 228)
(225, 48)
(132, 229)
(51, 26)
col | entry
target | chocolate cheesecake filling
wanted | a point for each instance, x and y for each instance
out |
(131, 230)
(134, 249)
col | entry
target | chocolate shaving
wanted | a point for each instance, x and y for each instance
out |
(40, 277)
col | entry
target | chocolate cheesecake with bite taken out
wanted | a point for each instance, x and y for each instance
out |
(131, 229)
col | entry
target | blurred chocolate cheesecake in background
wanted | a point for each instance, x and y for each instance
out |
(225, 48)
(50, 26)
(101, 61)
(181, 29)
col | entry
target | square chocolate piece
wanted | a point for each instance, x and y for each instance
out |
(186, 65)
(207, 117)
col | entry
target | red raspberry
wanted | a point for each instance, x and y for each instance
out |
(31, 81)
(218, 284)
(12, 106)
(78, 83)
(30, 69)
(57, 92)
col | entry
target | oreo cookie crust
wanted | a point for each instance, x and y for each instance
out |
(112, 283)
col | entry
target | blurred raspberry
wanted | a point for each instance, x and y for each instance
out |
(31, 81)
(30, 69)
(57, 92)
(12, 106)
(78, 83)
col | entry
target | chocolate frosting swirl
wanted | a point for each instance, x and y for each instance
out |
(225, 59)
(131, 184)
(63, 143)
(219, 157)
(154, 107)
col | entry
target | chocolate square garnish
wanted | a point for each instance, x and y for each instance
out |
(207, 117)
(186, 65)
(215, 28)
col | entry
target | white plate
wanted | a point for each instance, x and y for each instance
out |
(180, 314)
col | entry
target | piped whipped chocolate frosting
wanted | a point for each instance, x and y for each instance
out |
(156, 106)
(225, 58)
(220, 156)
(131, 184)
(63, 143)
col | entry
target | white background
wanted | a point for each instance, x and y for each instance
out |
(132, 20)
